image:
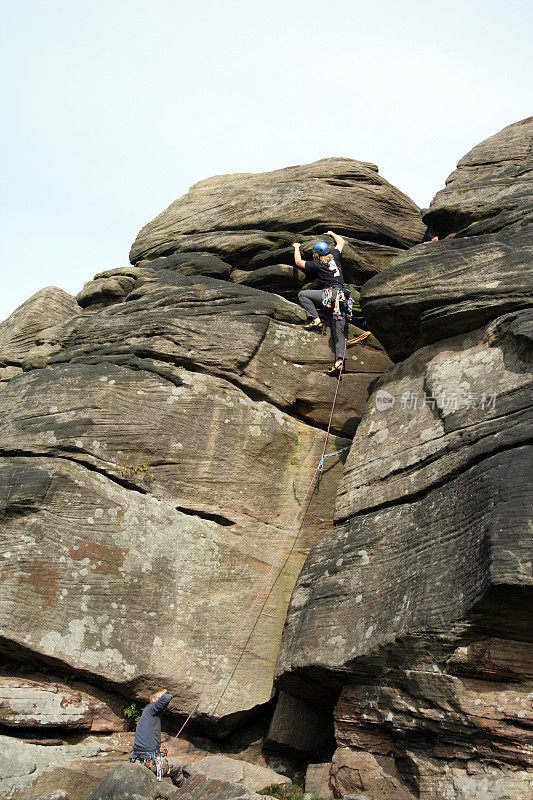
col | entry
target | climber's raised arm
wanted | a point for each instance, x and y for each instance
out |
(298, 260)
(339, 241)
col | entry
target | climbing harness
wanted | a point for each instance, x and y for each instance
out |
(161, 766)
(337, 296)
(158, 758)
(318, 469)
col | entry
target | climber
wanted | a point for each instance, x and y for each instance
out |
(147, 743)
(326, 267)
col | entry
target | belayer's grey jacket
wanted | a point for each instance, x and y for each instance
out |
(148, 730)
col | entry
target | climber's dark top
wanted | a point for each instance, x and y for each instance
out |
(328, 274)
(148, 730)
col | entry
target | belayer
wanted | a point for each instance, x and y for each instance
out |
(326, 267)
(147, 743)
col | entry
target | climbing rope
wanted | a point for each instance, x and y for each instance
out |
(276, 559)
(358, 338)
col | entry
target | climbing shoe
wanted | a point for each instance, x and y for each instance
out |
(335, 370)
(313, 326)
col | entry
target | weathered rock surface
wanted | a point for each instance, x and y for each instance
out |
(317, 781)
(21, 331)
(441, 289)
(455, 718)
(233, 332)
(438, 290)
(78, 773)
(419, 604)
(44, 703)
(251, 776)
(84, 548)
(59, 794)
(357, 771)
(6, 373)
(24, 764)
(491, 187)
(114, 285)
(157, 446)
(389, 574)
(299, 726)
(282, 279)
(440, 412)
(142, 457)
(241, 217)
(105, 290)
(191, 264)
(200, 787)
(129, 780)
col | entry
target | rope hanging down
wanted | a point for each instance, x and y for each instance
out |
(274, 563)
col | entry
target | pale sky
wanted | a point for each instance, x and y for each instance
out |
(113, 109)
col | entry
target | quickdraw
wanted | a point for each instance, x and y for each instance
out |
(158, 759)
(337, 296)
(161, 765)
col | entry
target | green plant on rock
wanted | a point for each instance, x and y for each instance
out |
(287, 791)
(132, 711)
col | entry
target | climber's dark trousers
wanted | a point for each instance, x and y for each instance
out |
(338, 325)
(309, 299)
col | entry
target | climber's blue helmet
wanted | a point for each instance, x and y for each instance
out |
(321, 248)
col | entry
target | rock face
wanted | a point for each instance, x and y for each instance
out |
(155, 448)
(440, 412)
(251, 220)
(23, 329)
(73, 553)
(491, 188)
(26, 703)
(23, 764)
(250, 776)
(215, 777)
(317, 781)
(131, 780)
(299, 726)
(414, 595)
(434, 463)
(158, 444)
(438, 290)
(199, 787)
(413, 616)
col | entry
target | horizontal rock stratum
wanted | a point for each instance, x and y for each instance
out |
(158, 434)
(411, 619)
(438, 290)
(251, 220)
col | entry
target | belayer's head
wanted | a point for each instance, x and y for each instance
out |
(320, 249)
